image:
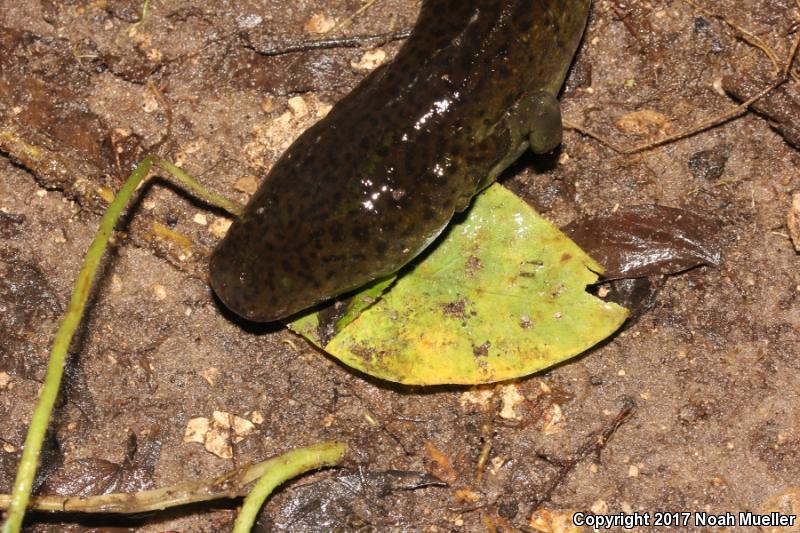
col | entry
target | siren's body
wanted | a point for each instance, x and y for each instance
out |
(369, 187)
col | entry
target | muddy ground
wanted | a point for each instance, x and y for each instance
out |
(87, 88)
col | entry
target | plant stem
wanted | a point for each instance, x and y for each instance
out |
(55, 367)
(287, 466)
(194, 186)
(229, 485)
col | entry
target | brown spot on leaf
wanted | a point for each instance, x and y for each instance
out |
(474, 265)
(456, 309)
(482, 350)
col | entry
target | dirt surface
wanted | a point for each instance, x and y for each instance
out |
(86, 89)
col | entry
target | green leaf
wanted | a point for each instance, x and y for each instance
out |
(502, 295)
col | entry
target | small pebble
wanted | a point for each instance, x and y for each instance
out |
(553, 420)
(298, 106)
(371, 60)
(600, 507)
(320, 23)
(210, 375)
(247, 184)
(511, 398)
(196, 430)
(150, 103)
(709, 164)
(160, 292)
(220, 227)
(497, 464)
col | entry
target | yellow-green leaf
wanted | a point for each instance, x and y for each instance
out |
(501, 296)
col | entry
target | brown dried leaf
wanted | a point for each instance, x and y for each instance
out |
(647, 240)
(92, 476)
(340, 503)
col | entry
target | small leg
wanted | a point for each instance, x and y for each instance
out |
(534, 121)
(544, 122)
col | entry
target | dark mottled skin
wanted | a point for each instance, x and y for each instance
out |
(365, 190)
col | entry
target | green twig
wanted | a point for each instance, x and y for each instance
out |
(230, 485)
(55, 367)
(145, 11)
(272, 473)
(190, 183)
(287, 466)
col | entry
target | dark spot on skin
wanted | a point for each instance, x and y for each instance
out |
(360, 234)
(336, 232)
(566, 256)
(525, 322)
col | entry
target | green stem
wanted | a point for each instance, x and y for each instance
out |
(55, 367)
(229, 485)
(286, 466)
(194, 186)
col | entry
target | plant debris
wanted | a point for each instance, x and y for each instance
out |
(92, 476)
(781, 107)
(342, 503)
(647, 240)
(793, 221)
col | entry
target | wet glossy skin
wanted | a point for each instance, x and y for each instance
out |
(365, 190)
